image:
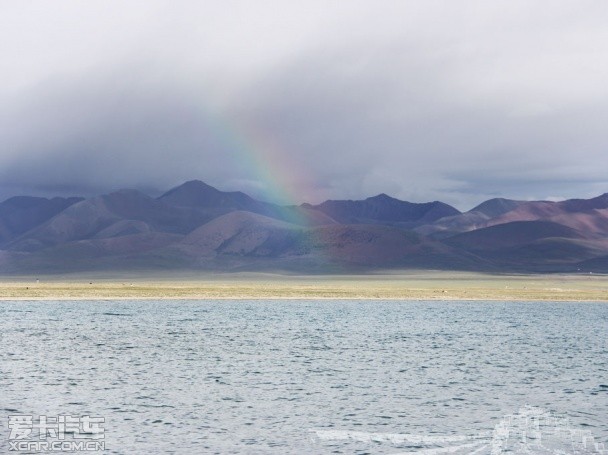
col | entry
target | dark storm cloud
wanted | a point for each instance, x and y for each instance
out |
(98, 133)
(415, 133)
(421, 100)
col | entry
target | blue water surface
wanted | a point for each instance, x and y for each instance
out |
(267, 376)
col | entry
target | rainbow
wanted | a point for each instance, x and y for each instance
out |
(260, 156)
(272, 164)
(276, 168)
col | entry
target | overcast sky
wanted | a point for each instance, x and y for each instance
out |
(423, 100)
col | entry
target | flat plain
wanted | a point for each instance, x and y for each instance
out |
(427, 285)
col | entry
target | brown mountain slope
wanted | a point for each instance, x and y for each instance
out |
(512, 234)
(383, 209)
(245, 236)
(476, 218)
(529, 245)
(383, 246)
(199, 196)
(197, 226)
(20, 214)
(99, 217)
(586, 215)
(118, 253)
(238, 233)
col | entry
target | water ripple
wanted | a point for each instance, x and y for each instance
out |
(255, 377)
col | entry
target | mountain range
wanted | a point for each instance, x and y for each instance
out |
(198, 227)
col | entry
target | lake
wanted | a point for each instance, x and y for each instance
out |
(325, 376)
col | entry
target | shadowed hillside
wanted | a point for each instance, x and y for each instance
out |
(383, 209)
(22, 213)
(195, 226)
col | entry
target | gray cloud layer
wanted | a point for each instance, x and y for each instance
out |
(458, 101)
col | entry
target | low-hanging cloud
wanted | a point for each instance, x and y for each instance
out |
(421, 100)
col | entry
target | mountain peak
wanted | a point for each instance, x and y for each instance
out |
(383, 208)
(601, 197)
(191, 186)
(196, 193)
(197, 184)
(598, 202)
(496, 207)
(382, 197)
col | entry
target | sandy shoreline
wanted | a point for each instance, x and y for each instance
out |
(406, 286)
